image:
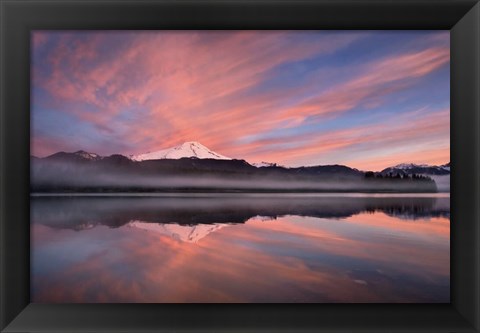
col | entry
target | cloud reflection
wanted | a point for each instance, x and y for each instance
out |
(368, 257)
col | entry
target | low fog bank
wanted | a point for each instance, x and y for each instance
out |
(84, 212)
(442, 182)
(65, 177)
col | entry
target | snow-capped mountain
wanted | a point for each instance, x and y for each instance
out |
(80, 155)
(193, 167)
(184, 233)
(446, 167)
(186, 149)
(425, 169)
(87, 155)
(408, 166)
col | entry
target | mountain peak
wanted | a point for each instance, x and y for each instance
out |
(188, 149)
(86, 155)
(189, 143)
(192, 145)
(412, 168)
(184, 233)
(78, 155)
(410, 165)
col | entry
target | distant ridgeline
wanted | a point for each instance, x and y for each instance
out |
(87, 172)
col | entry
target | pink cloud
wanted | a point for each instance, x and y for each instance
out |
(188, 73)
(193, 86)
(377, 80)
(38, 39)
(413, 131)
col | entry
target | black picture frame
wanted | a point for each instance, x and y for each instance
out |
(19, 17)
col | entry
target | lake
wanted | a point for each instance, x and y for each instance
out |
(254, 248)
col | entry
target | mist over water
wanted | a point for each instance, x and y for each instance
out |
(207, 176)
(241, 248)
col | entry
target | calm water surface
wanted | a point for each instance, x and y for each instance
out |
(241, 248)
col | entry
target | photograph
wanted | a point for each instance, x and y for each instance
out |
(240, 166)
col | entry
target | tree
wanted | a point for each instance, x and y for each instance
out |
(369, 174)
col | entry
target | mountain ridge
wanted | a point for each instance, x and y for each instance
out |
(412, 168)
(195, 150)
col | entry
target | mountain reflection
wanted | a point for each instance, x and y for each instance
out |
(83, 212)
(260, 248)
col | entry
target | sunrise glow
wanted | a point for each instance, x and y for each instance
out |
(364, 99)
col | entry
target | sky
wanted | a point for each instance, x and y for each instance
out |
(366, 99)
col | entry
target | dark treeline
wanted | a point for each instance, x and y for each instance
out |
(393, 176)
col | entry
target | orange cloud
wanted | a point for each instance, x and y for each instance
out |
(185, 85)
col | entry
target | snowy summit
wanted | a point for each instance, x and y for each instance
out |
(189, 234)
(406, 166)
(186, 149)
(87, 155)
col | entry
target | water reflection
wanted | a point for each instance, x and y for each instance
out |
(77, 211)
(241, 248)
